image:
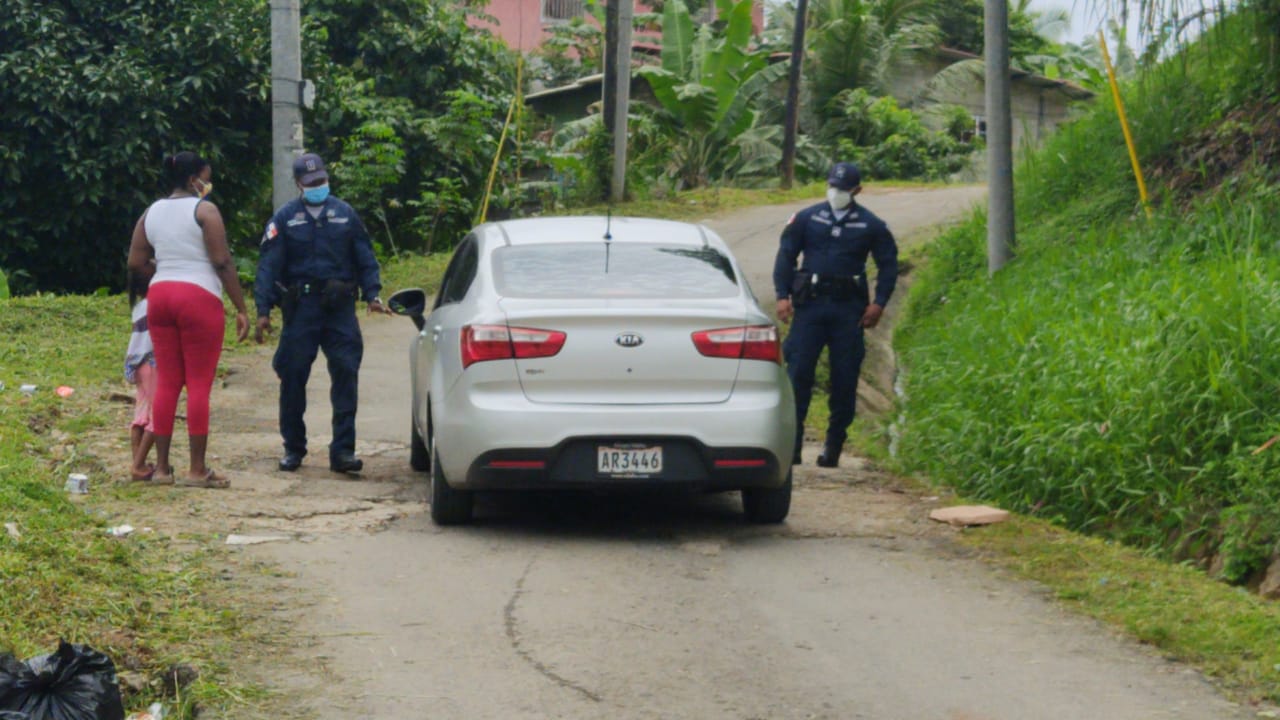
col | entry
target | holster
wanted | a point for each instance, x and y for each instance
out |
(802, 288)
(337, 294)
(288, 303)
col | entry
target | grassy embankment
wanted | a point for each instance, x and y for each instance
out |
(1121, 377)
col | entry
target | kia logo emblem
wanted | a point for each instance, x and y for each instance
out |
(629, 339)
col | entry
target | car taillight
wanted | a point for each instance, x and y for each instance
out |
(499, 342)
(754, 342)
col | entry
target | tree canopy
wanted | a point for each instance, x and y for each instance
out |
(94, 93)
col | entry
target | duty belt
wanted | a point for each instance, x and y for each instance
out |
(839, 287)
(316, 287)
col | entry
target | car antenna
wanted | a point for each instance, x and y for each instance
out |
(608, 237)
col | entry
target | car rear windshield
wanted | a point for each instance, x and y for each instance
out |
(577, 270)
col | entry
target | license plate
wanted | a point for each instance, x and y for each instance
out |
(628, 461)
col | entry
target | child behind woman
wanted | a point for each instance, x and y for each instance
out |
(140, 370)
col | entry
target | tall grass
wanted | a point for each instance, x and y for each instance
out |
(1121, 375)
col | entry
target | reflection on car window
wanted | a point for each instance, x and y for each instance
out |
(460, 274)
(576, 270)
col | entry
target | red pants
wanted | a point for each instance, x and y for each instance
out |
(187, 325)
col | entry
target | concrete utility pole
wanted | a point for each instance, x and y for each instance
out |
(1000, 237)
(616, 89)
(286, 97)
(622, 101)
(792, 121)
(609, 86)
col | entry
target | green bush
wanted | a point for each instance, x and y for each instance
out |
(889, 142)
(93, 95)
(437, 92)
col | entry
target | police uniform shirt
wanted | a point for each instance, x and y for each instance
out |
(837, 245)
(309, 244)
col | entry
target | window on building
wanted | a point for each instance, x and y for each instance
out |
(561, 10)
(980, 126)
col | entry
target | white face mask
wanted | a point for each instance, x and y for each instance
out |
(839, 199)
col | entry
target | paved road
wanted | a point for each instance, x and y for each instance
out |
(668, 607)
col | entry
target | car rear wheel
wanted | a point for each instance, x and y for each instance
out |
(419, 457)
(767, 505)
(448, 506)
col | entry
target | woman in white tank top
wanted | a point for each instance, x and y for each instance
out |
(182, 238)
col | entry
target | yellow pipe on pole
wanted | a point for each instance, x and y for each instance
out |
(493, 170)
(1124, 123)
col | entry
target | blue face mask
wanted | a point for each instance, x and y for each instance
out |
(315, 195)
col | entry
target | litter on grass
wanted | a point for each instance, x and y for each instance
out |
(77, 484)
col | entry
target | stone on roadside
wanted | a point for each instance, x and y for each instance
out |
(967, 515)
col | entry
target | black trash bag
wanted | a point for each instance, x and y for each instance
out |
(74, 683)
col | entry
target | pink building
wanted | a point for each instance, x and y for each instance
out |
(523, 23)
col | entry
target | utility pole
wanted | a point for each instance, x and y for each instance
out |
(286, 97)
(622, 101)
(609, 87)
(792, 121)
(999, 136)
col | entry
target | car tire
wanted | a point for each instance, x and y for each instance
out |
(448, 506)
(767, 506)
(419, 456)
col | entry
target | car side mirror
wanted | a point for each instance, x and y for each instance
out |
(412, 303)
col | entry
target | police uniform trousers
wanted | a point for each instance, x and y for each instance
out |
(836, 324)
(336, 331)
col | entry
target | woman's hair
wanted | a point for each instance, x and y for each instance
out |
(179, 168)
(138, 283)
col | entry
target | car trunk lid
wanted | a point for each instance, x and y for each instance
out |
(633, 352)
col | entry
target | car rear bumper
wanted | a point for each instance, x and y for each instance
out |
(500, 441)
(572, 464)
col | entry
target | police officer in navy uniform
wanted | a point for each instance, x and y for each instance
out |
(829, 299)
(316, 257)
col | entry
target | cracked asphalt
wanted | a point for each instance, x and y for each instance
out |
(640, 606)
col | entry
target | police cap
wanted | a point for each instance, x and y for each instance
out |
(308, 168)
(844, 176)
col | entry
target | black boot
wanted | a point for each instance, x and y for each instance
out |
(830, 456)
(796, 459)
(291, 461)
(349, 464)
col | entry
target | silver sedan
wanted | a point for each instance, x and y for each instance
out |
(586, 352)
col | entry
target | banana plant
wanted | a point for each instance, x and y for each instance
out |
(707, 83)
